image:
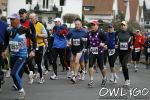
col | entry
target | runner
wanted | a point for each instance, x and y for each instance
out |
(59, 45)
(48, 52)
(18, 49)
(41, 34)
(76, 36)
(96, 45)
(112, 49)
(83, 59)
(3, 45)
(147, 50)
(29, 67)
(137, 48)
(125, 42)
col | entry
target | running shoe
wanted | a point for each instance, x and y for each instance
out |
(73, 79)
(41, 80)
(127, 83)
(91, 83)
(54, 77)
(103, 82)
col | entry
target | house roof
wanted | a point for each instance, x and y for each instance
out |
(101, 7)
(104, 7)
(121, 6)
(134, 6)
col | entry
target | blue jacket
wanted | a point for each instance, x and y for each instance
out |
(59, 39)
(17, 42)
(4, 36)
(111, 40)
(77, 34)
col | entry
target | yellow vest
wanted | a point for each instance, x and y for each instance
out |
(38, 28)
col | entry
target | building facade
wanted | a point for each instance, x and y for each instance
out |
(107, 10)
(146, 17)
(47, 9)
(3, 6)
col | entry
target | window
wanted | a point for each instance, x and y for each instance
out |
(88, 8)
(28, 1)
(62, 2)
(147, 23)
(43, 3)
(47, 2)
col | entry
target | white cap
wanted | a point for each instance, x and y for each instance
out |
(57, 19)
(124, 23)
(15, 16)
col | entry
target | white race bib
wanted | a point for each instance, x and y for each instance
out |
(94, 50)
(14, 46)
(148, 50)
(137, 49)
(123, 46)
(76, 42)
(84, 39)
(111, 52)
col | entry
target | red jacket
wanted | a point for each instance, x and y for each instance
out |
(139, 41)
(27, 26)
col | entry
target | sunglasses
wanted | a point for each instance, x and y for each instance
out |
(21, 13)
(93, 24)
(12, 19)
(110, 27)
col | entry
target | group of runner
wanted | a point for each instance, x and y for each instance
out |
(27, 40)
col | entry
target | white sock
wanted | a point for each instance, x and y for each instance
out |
(21, 90)
(104, 77)
(91, 79)
(135, 65)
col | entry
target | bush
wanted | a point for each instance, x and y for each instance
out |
(69, 18)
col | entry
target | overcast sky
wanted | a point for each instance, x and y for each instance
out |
(147, 3)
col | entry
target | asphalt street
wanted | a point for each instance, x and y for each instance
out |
(63, 89)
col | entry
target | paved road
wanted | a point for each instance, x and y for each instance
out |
(63, 89)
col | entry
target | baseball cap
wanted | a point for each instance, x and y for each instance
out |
(123, 23)
(14, 16)
(100, 21)
(57, 19)
(110, 26)
(94, 22)
(22, 11)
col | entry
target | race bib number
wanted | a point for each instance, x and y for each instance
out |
(94, 50)
(137, 49)
(111, 52)
(148, 50)
(14, 46)
(123, 46)
(84, 39)
(76, 42)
